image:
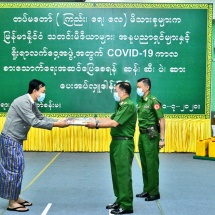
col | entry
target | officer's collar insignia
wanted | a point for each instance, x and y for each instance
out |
(145, 99)
(121, 103)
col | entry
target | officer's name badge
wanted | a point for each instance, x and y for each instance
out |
(146, 106)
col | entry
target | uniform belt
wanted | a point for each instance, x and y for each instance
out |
(122, 138)
(146, 130)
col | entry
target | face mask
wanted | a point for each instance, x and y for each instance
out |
(140, 92)
(41, 97)
(116, 97)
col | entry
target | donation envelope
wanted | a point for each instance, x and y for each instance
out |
(79, 121)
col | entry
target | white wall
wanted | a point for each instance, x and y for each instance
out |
(160, 1)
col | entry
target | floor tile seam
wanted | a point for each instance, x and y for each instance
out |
(40, 173)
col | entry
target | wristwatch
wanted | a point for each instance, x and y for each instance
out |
(97, 122)
(162, 139)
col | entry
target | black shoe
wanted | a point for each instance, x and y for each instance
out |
(121, 211)
(113, 206)
(152, 198)
(142, 195)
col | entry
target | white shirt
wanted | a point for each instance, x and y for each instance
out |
(32, 101)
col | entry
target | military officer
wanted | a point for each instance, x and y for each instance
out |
(151, 122)
(122, 124)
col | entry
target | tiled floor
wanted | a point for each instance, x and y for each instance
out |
(80, 184)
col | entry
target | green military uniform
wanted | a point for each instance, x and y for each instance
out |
(122, 152)
(149, 113)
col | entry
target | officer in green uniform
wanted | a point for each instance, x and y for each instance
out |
(152, 131)
(122, 124)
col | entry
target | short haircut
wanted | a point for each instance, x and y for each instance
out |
(146, 81)
(35, 85)
(123, 85)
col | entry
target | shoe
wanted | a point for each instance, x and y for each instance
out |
(152, 198)
(121, 211)
(17, 209)
(113, 206)
(25, 203)
(142, 195)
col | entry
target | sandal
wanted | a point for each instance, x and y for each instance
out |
(25, 203)
(17, 209)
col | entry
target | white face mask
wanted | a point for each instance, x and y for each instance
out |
(116, 97)
(41, 97)
(140, 92)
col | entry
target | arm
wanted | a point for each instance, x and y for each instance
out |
(162, 132)
(60, 123)
(103, 119)
(104, 123)
(40, 116)
(24, 110)
(118, 118)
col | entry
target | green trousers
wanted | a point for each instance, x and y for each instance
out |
(149, 151)
(121, 157)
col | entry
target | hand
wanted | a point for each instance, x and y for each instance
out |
(61, 123)
(161, 144)
(90, 125)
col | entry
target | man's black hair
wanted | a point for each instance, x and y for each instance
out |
(123, 85)
(145, 81)
(35, 84)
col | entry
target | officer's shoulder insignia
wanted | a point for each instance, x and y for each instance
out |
(156, 100)
(156, 106)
